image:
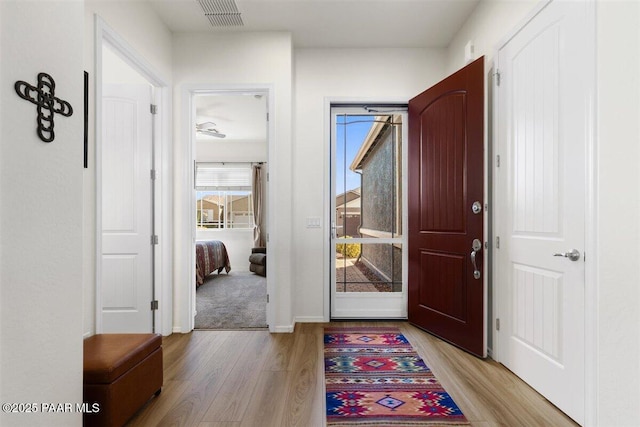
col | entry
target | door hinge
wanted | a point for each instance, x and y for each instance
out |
(267, 298)
(497, 242)
(153, 174)
(498, 161)
(267, 116)
(154, 305)
(267, 176)
(154, 239)
(498, 76)
(267, 237)
(154, 109)
(497, 324)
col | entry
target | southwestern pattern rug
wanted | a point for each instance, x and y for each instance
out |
(374, 377)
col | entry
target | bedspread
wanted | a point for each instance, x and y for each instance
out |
(211, 255)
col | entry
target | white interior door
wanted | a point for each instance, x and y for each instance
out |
(368, 205)
(543, 101)
(126, 159)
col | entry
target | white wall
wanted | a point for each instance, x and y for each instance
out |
(138, 24)
(41, 214)
(374, 74)
(490, 22)
(233, 60)
(618, 212)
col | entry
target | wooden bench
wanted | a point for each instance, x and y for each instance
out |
(121, 373)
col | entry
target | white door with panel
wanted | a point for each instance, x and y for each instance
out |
(126, 163)
(543, 98)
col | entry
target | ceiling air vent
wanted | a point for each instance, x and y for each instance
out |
(221, 13)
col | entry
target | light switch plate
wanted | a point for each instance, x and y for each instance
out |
(313, 222)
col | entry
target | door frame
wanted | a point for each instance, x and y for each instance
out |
(404, 203)
(186, 202)
(162, 161)
(591, 249)
(326, 187)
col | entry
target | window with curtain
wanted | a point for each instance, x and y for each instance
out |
(223, 196)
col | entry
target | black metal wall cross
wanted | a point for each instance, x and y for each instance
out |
(48, 104)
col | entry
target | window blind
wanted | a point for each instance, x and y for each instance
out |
(216, 176)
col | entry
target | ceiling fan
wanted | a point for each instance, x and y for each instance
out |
(208, 128)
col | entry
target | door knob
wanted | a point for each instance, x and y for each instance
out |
(574, 255)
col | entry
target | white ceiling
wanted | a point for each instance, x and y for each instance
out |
(315, 23)
(240, 116)
(335, 23)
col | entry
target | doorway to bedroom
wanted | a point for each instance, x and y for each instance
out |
(230, 187)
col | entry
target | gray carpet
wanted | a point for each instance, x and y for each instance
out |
(237, 300)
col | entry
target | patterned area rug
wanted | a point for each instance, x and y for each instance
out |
(374, 377)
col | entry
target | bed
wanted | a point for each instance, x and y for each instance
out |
(211, 255)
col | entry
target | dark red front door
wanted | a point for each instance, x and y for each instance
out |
(446, 177)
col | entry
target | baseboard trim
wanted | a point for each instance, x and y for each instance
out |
(286, 329)
(310, 319)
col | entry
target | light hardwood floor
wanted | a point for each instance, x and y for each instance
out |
(257, 379)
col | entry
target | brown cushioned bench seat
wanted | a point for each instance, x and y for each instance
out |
(121, 372)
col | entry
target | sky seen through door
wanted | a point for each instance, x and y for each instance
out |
(350, 134)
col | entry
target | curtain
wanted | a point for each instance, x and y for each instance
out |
(256, 188)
